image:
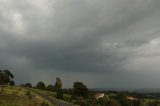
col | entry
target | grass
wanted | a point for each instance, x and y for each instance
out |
(17, 96)
(48, 93)
(53, 95)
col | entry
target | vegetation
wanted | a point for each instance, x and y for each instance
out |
(80, 90)
(29, 85)
(18, 96)
(41, 85)
(12, 83)
(58, 88)
(50, 88)
(44, 104)
(10, 95)
(5, 77)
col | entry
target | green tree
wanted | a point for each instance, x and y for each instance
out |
(58, 88)
(12, 83)
(113, 103)
(29, 95)
(80, 90)
(58, 84)
(44, 103)
(5, 77)
(101, 102)
(154, 103)
(41, 85)
(122, 98)
(136, 102)
(50, 88)
(29, 85)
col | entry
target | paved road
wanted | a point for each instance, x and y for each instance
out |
(54, 101)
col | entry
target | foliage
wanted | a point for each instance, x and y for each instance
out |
(41, 85)
(80, 90)
(58, 84)
(29, 95)
(113, 103)
(44, 103)
(12, 83)
(59, 94)
(29, 85)
(5, 77)
(136, 103)
(50, 88)
(58, 88)
(79, 94)
(1, 102)
(80, 101)
(17, 96)
(68, 91)
(154, 103)
(122, 98)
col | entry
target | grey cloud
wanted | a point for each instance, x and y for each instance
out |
(76, 36)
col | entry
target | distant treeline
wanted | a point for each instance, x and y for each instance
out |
(79, 94)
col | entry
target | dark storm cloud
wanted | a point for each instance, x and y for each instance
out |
(105, 37)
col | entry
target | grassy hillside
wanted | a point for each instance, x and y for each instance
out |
(17, 96)
(52, 95)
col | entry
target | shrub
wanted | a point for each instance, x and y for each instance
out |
(29, 95)
(29, 85)
(0, 102)
(41, 85)
(12, 83)
(44, 103)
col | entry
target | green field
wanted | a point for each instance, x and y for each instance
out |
(17, 96)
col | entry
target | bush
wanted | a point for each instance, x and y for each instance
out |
(59, 94)
(29, 85)
(80, 101)
(0, 102)
(67, 98)
(80, 90)
(41, 85)
(44, 103)
(12, 83)
(29, 95)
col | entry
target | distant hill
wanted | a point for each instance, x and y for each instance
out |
(142, 90)
(147, 90)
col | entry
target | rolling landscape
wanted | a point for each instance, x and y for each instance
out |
(79, 52)
(79, 95)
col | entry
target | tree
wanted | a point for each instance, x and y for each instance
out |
(41, 85)
(58, 88)
(79, 89)
(50, 88)
(58, 84)
(136, 102)
(156, 102)
(29, 85)
(122, 98)
(59, 94)
(113, 103)
(12, 83)
(5, 77)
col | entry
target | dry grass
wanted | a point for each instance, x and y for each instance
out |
(16, 96)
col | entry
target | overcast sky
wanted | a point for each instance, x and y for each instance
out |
(103, 43)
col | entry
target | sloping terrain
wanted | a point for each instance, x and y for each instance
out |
(17, 96)
(50, 96)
